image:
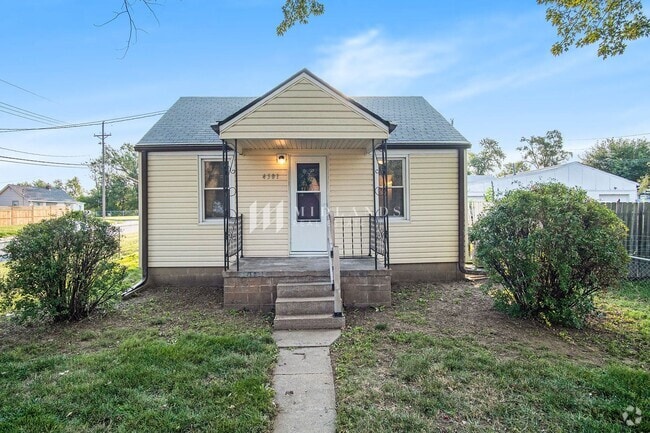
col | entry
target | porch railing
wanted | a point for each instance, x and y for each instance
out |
(362, 237)
(335, 265)
(234, 239)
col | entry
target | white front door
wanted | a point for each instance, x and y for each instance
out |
(308, 205)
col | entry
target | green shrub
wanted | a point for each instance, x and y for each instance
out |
(63, 268)
(550, 249)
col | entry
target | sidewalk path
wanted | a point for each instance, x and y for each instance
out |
(304, 382)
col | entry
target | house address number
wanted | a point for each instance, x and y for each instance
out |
(270, 176)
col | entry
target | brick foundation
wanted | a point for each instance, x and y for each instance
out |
(186, 277)
(435, 272)
(252, 291)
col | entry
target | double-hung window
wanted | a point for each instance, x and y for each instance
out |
(213, 189)
(395, 205)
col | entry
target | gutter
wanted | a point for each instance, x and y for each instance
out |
(462, 178)
(144, 227)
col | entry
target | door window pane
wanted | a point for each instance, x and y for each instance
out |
(308, 204)
(308, 176)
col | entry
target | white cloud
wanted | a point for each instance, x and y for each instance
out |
(370, 63)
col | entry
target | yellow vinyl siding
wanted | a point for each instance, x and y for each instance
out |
(431, 233)
(176, 239)
(303, 110)
(256, 193)
(350, 194)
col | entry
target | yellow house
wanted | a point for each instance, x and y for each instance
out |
(301, 197)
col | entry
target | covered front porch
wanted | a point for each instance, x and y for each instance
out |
(304, 182)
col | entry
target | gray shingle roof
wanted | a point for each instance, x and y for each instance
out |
(188, 120)
(43, 194)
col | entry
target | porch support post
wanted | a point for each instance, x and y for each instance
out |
(374, 198)
(226, 205)
(384, 156)
(237, 222)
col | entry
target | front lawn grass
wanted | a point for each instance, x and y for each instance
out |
(442, 359)
(129, 257)
(8, 231)
(168, 360)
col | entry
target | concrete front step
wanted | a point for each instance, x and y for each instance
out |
(298, 306)
(309, 321)
(304, 290)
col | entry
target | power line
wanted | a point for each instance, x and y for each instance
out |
(605, 138)
(43, 154)
(25, 161)
(86, 124)
(26, 117)
(36, 116)
(25, 90)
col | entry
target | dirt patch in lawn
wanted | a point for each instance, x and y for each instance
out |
(164, 311)
(463, 309)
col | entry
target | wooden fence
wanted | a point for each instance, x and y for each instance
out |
(636, 217)
(21, 215)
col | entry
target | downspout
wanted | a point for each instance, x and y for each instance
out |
(461, 216)
(144, 226)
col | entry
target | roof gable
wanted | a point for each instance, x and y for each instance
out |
(34, 194)
(304, 106)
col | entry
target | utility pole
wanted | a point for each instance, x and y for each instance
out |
(103, 137)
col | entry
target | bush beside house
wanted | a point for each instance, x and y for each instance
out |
(549, 249)
(62, 269)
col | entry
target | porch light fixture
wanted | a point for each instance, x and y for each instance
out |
(281, 158)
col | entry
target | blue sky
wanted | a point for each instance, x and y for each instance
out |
(484, 64)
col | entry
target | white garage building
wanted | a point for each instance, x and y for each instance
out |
(600, 185)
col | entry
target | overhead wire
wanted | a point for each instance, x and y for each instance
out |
(36, 116)
(24, 90)
(26, 161)
(43, 154)
(86, 124)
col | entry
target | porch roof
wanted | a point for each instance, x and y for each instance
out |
(188, 121)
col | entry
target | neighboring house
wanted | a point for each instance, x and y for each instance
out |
(600, 185)
(16, 195)
(297, 154)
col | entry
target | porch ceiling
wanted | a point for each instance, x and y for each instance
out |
(364, 145)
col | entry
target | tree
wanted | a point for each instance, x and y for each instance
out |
(73, 187)
(623, 157)
(121, 169)
(610, 23)
(298, 11)
(489, 158)
(549, 249)
(513, 168)
(544, 151)
(644, 183)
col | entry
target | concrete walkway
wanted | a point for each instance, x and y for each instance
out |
(304, 382)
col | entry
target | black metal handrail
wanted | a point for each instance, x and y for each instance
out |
(379, 242)
(234, 239)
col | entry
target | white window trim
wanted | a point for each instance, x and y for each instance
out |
(201, 190)
(407, 189)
